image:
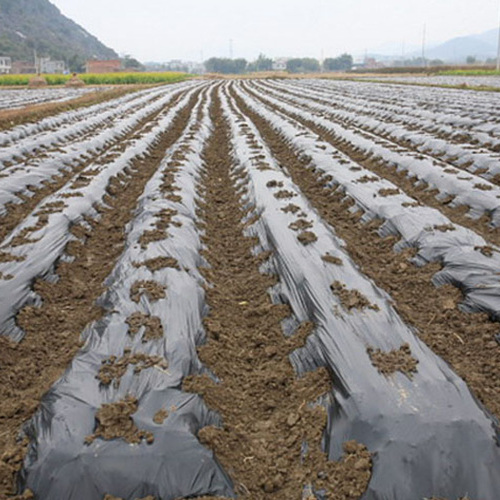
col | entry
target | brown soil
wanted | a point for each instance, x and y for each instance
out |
(159, 263)
(307, 237)
(114, 421)
(153, 329)
(465, 341)
(274, 184)
(332, 260)
(445, 228)
(26, 495)
(113, 368)
(486, 250)
(284, 194)
(154, 291)
(266, 408)
(12, 117)
(351, 299)
(396, 360)
(37, 82)
(291, 208)
(300, 225)
(160, 416)
(388, 192)
(367, 178)
(8, 257)
(75, 83)
(30, 368)
(164, 219)
(483, 187)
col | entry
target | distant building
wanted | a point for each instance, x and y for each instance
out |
(5, 65)
(372, 63)
(279, 64)
(47, 66)
(109, 66)
(23, 67)
(177, 65)
(195, 68)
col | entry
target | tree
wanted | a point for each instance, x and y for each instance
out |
(436, 62)
(341, 63)
(239, 66)
(263, 63)
(76, 63)
(226, 66)
(470, 59)
(303, 65)
(131, 63)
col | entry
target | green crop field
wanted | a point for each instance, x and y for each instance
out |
(100, 79)
(470, 72)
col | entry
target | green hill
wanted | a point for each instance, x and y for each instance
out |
(26, 25)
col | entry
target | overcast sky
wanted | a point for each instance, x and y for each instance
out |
(160, 30)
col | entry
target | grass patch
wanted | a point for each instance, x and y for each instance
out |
(100, 79)
(470, 72)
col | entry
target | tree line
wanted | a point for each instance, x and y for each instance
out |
(263, 63)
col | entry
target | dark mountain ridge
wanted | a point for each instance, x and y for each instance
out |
(29, 25)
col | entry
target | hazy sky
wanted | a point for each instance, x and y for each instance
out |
(160, 30)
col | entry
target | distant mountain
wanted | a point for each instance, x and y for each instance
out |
(456, 50)
(490, 37)
(26, 25)
(481, 46)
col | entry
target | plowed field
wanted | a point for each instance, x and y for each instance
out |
(252, 289)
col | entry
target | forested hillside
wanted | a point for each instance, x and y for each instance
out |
(26, 25)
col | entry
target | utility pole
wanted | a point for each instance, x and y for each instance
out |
(498, 48)
(230, 48)
(423, 47)
(37, 62)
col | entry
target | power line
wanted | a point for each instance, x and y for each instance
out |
(498, 48)
(423, 46)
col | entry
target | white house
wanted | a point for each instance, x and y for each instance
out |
(47, 66)
(5, 65)
(279, 64)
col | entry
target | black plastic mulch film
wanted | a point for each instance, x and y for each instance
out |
(428, 435)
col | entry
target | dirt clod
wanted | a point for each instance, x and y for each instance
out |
(396, 360)
(160, 416)
(153, 329)
(114, 421)
(159, 263)
(153, 290)
(113, 368)
(300, 225)
(307, 237)
(389, 192)
(284, 194)
(332, 259)
(291, 208)
(351, 299)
